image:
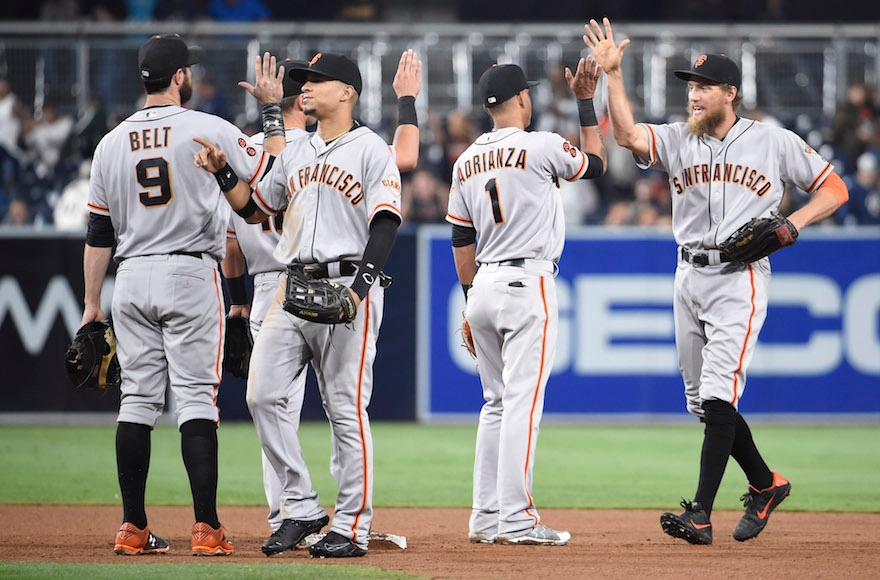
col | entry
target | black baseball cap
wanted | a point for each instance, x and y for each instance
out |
(161, 56)
(331, 65)
(715, 68)
(501, 82)
(292, 88)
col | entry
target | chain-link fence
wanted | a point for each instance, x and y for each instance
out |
(788, 70)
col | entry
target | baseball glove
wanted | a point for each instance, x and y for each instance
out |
(318, 300)
(759, 238)
(238, 346)
(467, 339)
(90, 360)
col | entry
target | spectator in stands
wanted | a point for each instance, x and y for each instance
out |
(208, 99)
(238, 10)
(424, 197)
(12, 117)
(864, 193)
(18, 213)
(71, 212)
(185, 10)
(558, 112)
(456, 136)
(91, 125)
(647, 207)
(358, 10)
(45, 139)
(854, 126)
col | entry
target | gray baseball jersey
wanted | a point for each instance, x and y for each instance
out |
(330, 192)
(506, 186)
(717, 186)
(300, 178)
(155, 143)
(170, 221)
(258, 243)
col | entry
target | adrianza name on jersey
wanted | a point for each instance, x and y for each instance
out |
(722, 172)
(503, 157)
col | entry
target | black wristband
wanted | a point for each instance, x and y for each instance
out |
(226, 178)
(237, 292)
(465, 288)
(273, 120)
(249, 209)
(363, 279)
(406, 111)
(586, 113)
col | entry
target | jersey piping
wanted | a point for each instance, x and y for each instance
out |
(360, 413)
(745, 345)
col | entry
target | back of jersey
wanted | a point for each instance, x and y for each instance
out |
(505, 186)
(144, 178)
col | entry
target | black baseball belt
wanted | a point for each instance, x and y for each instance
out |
(700, 259)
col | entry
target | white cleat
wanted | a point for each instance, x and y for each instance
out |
(540, 535)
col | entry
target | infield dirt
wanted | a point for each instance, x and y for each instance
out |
(605, 544)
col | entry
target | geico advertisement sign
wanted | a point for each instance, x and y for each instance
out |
(622, 325)
(57, 300)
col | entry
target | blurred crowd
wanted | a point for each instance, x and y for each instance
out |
(45, 158)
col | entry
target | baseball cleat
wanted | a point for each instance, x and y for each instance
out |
(482, 537)
(335, 545)
(132, 541)
(759, 505)
(291, 533)
(207, 541)
(540, 535)
(693, 525)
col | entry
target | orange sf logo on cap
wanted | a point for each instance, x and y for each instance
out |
(315, 59)
(700, 61)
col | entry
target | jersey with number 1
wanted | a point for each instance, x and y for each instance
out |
(144, 177)
(506, 186)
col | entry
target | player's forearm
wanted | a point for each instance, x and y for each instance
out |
(821, 205)
(623, 125)
(232, 265)
(465, 263)
(406, 143)
(592, 141)
(95, 264)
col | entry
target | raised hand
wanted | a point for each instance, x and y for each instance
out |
(268, 87)
(583, 82)
(408, 79)
(601, 42)
(210, 157)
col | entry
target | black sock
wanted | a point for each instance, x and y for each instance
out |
(132, 465)
(720, 419)
(198, 444)
(746, 453)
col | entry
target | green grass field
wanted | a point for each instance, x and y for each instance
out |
(835, 468)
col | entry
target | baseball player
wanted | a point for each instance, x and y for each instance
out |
(254, 244)
(168, 221)
(723, 170)
(341, 193)
(508, 232)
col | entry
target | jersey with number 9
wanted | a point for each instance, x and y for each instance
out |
(143, 178)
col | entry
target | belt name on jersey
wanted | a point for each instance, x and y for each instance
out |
(502, 157)
(331, 176)
(151, 138)
(722, 172)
